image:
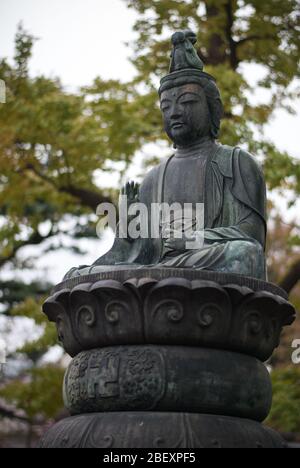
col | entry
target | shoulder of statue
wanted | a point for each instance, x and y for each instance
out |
(229, 158)
(249, 164)
(249, 183)
(247, 180)
(223, 158)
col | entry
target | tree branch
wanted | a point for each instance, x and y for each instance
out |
(291, 278)
(6, 413)
(255, 37)
(32, 168)
(34, 239)
(89, 198)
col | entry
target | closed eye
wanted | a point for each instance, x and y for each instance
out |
(165, 105)
(188, 98)
(189, 101)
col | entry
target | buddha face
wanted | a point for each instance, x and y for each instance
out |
(185, 114)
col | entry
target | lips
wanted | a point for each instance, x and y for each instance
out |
(176, 125)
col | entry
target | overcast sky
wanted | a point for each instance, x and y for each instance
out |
(80, 39)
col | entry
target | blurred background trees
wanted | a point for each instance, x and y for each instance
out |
(57, 147)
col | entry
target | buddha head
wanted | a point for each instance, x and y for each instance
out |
(189, 98)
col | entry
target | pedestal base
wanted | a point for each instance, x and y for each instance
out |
(159, 430)
(165, 346)
(169, 306)
(168, 379)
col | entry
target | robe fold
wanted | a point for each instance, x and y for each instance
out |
(234, 220)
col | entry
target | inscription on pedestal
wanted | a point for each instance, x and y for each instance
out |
(136, 377)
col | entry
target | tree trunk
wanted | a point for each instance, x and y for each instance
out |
(222, 48)
(216, 49)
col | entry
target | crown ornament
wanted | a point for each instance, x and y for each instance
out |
(185, 66)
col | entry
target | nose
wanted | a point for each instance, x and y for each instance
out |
(176, 111)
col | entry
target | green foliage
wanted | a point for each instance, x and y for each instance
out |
(13, 292)
(52, 142)
(264, 33)
(31, 308)
(23, 46)
(39, 394)
(232, 34)
(285, 414)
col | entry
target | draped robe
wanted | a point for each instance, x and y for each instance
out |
(234, 197)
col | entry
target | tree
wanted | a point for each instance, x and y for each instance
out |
(51, 145)
(282, 254)
(36, 394)
(285, 414)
